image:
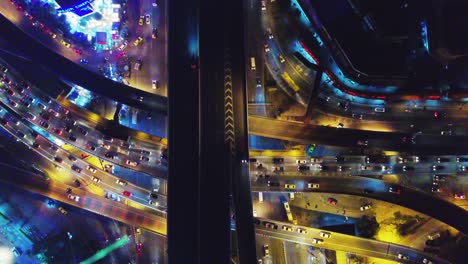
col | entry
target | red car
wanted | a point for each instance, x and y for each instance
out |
(127, 193)
(58, 131)
(77, 51)
(139, 248)
(332, 201)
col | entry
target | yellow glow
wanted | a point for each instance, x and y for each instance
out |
(341, 257)
(277, 153)
(391, 153)
(388, 233)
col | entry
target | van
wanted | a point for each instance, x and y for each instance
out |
(30, 116)
(379, 109)
(433, 236)
(252, 64)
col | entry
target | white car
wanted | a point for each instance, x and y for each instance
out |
(325, 234)
(96, 180)
(120, 182)
(91, 169)
(401, 256)
(287, 228)
(147, 19)
(313, 185)
(267, 48)
(132, 163)
(155, 84)
(263, 5)
(75, 198)
(301, 231)
(301, 161)
(123, 46)
(317, 241)
(270, 33)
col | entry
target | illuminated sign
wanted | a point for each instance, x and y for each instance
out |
(80, 9)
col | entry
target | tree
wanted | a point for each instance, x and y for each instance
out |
(367, 226)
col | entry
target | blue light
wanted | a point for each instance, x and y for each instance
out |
(303, 17)
(424, 36)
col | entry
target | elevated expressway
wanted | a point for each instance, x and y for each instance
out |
(310, 134)
(419, 201)
(145, 219)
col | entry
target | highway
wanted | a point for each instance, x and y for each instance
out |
(416, 200)
(58, 119)
(69, 71)
(310, 134)
(337, 241)
(87, 201)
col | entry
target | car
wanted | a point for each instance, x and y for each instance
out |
(462, 159)
(78, 51)
(147, 19)
(53, 147)
(325, 234)
(401, 256)
(151, 202)
(435, 189)
(111, 155)
(120, 182)
(90, 146)
(301, 231)
(132, 163)
(290, 186)
(139, 247)
(75, 198)
(91, 169)
(357, 116)
(123, 46)
(394, 189)
(17, 252)
(36, 145)
(287, 228)
(62, 210)
(437, 167)
(281, 58)
(155, 84)
(278, 160)
(84, 61)
(106, 146)
(267, 48)
(344, 168)
(153, 195)
(138, 41)
(54, 113)
(140, 20)
(332, 201)
(303, 167)
(442, 159)
(66, 44)
(126, 193)
(58, 159)
(13, 103)
(312, 185)
(425, 260)
(459, 196)
(154, 33)
(82, 131)
(270, 33)
(317, 241)
(72, 158)
(273, 184)
(144, 158)
(277, 168)
(365, 207)
(438, 177)
(270, 225)
(408, 168)
(301, 161)
(72, 137)
(96, 179)
(266, 250)
(57, 131)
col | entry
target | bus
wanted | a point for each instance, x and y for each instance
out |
(252, 64)
(290, 81)
(285, 203)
